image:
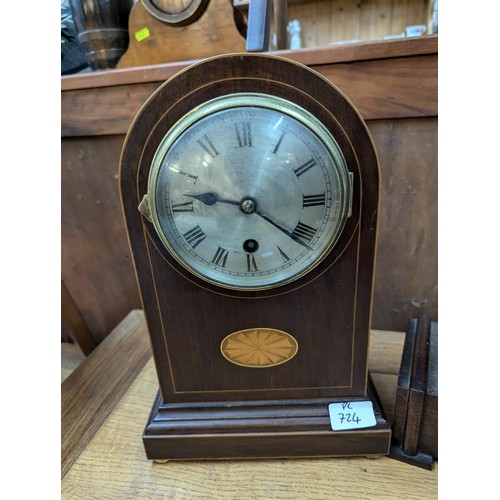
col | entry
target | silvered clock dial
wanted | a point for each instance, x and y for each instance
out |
(249, 191)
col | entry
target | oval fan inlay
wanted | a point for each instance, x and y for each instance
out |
(259, 347)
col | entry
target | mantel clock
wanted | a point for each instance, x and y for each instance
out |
(250, 190)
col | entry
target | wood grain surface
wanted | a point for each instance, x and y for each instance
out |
(406, 283)
(380, 89)
(313, 56)
(71, 357)
(327, 22)
(90, 393)
(213, 33)
(112, 463)
(96, 265)
(72, 320)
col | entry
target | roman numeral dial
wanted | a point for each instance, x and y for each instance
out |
(249, 196)
(207, 145)
(305, 167)
(194, 236)
(303, 232)
(186, 206)
(243, 134)
(313, 200)
(278, 144)
(251, 264)
(220, 257)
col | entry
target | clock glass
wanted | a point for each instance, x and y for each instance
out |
(249, 191)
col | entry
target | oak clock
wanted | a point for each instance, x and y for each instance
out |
(249, 186)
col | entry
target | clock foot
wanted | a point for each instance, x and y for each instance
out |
(258, 429)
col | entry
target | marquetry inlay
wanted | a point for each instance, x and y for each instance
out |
(259, 347)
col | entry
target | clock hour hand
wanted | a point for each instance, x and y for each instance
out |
(247, 205)
(211, 199)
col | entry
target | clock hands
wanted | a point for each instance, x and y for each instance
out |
(283, 230)
(248, 206)
(211, 199)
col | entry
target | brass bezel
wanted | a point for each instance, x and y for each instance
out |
(253, 99)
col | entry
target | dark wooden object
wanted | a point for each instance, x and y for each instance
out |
(260, 429)
(415, 425)
(280, 18)
(102, 27)
(90, 393)
(73, 321)
(272, 411)
(96, 264)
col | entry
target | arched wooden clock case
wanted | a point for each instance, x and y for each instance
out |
(208, 405)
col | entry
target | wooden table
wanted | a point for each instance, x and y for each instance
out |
(105, 404)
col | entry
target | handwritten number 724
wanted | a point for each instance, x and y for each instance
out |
(349, 417)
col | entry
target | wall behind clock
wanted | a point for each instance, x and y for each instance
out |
(394, 86)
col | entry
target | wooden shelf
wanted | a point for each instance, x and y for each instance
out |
(389, 79)
(331, 54)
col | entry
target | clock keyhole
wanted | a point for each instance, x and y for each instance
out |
(250, 246)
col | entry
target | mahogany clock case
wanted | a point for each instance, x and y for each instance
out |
(327, 311)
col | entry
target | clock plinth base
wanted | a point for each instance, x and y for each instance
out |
(258, 429)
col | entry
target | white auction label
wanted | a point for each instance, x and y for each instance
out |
(351, 415)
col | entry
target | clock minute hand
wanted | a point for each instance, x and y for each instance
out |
(211, 199)
(283, 230)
